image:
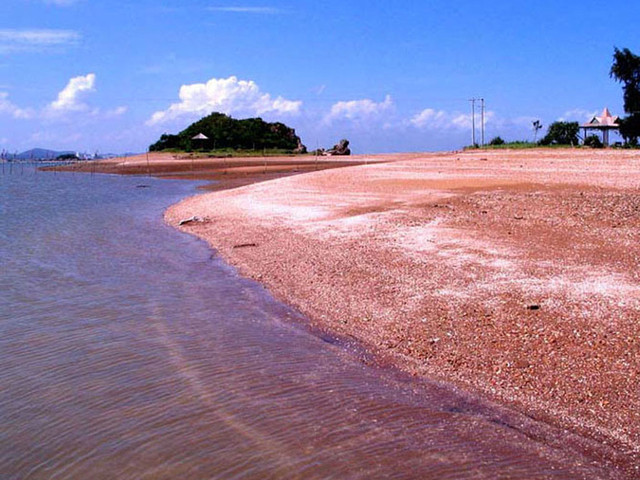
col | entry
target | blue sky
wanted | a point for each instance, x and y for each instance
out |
(113, 75)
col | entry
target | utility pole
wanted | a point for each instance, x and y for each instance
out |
(473, 119)
(482, 101)
(473, 122)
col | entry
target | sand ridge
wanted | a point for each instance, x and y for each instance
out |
(224, 172)
(513, 273)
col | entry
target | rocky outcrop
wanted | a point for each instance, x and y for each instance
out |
(300, 149)
(341, 148)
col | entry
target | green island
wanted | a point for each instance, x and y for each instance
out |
(218, 134)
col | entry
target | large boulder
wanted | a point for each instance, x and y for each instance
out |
(300, 149)
(342, 148)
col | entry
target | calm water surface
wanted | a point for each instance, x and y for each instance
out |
(128, 351)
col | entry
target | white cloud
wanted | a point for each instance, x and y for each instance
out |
(578, 115)
(430, 119)
(69, 99)
(225, 95)
(9, 108)
(116, 112)
(12, 40)
(464, 121)
(254, 10)
(359, 110)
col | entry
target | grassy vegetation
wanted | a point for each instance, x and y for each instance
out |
(524, 145)
(520, 144)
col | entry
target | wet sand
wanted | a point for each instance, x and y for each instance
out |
(510, 273)
(223, 172)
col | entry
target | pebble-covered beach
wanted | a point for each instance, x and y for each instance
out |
(511, 273)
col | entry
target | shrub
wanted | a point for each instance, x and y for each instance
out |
(561, 133)
(67, 156)
(593, 141)
(497, 141)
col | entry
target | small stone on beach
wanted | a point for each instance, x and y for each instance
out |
(190, 220)
(244, 245)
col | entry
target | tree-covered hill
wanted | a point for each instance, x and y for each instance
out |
(224, 132)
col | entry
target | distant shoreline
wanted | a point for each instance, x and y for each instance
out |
(223, 172)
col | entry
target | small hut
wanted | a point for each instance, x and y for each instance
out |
(200, 139)
(604, 123)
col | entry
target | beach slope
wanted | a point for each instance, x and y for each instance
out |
(510, 273)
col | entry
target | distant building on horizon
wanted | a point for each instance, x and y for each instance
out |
(604, 123)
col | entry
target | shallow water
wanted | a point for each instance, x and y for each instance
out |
(128, 350)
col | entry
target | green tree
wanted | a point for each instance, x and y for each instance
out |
(630, 129)
(496, 141)
(562, 133)
(626, 70)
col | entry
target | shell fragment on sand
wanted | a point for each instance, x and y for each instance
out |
(192, 220)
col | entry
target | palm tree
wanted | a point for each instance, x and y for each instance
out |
(537, 125)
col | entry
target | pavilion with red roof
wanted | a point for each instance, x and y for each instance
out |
(604, 123)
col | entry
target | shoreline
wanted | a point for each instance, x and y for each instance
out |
(539, 305)
(469, 268)
(222, 173)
